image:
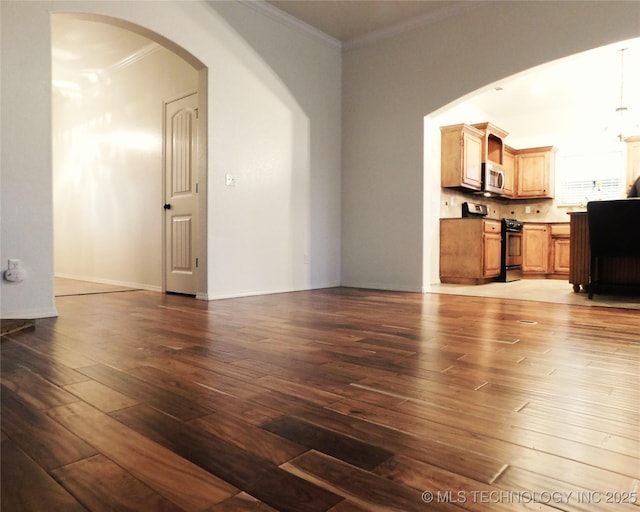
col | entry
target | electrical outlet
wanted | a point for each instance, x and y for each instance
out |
(229, 180)
(15, 275)
(13, 264)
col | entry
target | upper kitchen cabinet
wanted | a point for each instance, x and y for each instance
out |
(509, 168)
(461, 157)
(535, 172)
(492, 142)
(521, 173)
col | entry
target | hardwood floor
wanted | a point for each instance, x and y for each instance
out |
(337, 400)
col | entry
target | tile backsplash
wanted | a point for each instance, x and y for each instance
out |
(535, 210)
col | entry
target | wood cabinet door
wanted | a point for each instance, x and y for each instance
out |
(532, 169)
(535, 248)
(461, 157)
(491, 255)
(561, 255)
(472, 160)
(509, 167)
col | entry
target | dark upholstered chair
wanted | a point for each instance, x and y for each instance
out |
(614, 232)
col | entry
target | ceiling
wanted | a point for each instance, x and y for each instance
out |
(349, 21)
(582, 89)
(82, 51)
(578, 94)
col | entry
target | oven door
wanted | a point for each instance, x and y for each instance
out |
(513, 249)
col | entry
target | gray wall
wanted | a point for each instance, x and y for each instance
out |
(390, 208)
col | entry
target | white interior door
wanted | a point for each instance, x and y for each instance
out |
(181, 194)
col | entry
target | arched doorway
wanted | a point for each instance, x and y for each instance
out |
(111, 82)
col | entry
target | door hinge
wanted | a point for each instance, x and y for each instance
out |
(196, 188)
(196, 262)
(196, 110)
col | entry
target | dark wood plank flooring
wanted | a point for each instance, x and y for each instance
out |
(337, 400)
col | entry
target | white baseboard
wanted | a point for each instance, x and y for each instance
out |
(383, 286)
(30, 314)
(113, 282)
(253, 293)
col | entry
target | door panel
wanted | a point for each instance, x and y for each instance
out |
(181, 246)
(181, 200)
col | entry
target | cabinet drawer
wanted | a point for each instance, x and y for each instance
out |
(491, 226)
(560, 230)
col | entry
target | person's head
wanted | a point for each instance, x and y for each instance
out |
(634, 191)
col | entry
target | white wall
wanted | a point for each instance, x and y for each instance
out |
(275, 127)
(25, 161)
(389, 222)
(274, 121)
(107, 166)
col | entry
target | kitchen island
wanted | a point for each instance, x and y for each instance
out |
(625, 271)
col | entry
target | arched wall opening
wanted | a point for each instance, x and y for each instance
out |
(560, 103)
(274, 126)
(111, 80)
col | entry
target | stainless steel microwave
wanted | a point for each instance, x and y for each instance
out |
(493, 178)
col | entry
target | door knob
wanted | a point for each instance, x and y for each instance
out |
(167, 206)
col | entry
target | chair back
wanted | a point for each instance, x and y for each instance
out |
(614, 227)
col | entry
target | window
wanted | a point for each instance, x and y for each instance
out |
(590, 177)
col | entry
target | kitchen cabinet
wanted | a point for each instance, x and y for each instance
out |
(528, 173)
(535, 172)
(535, 248)
(509, 168)
(491, 250)
(469, 250)
(560, 250)
(546, 250)
(461, 157)
(492, 142)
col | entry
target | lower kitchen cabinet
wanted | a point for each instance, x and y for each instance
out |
(546, 250)
(469, 250)
(535, 248)
(491, 251)
(560, 250)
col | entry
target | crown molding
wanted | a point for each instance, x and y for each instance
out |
(147, 49)
(447, 11)
(418, 22)
(273, 12)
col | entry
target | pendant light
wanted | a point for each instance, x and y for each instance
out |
(622, 109)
